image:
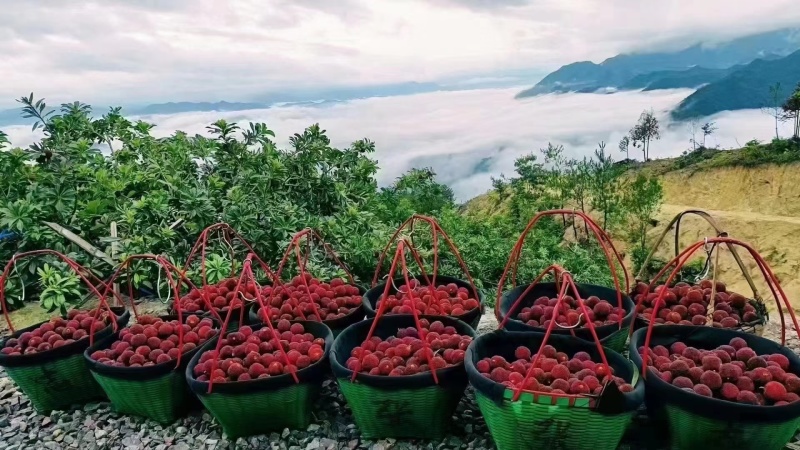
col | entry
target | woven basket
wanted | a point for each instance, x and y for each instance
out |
(245, 408)
(336, 325)
(611, 336)
(544, 422)
(158, 392)
(408, 407)
(57, 378)
(697, 422)
(471, 318)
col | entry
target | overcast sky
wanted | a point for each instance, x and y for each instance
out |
(121, 51)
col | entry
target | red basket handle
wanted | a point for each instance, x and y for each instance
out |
(601, 236)
(302, 259)
(567, 283)
(75, 267)
(436, 231)
(248, 276)
(399, 256)
(169, 269)
(766, 271)
(227, 231)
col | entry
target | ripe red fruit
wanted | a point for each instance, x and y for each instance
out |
(761, 375)
(679, 367)
(744, 353)
(522, 353)
(774, 391)
(729, 391)
(730, 372)
(711, 379)
(747, 397)
(782, 360)
(703, 390)
(711, 362)
(682, 382)
(560, 372)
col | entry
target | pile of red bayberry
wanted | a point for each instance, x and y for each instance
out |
(154, 341)
(57, 333)
(221, 296)
(333, 300)
(247, 355)
(404, 353)
(686, 304)
(555, 372)
(729, 372)
(543, 310)
(446, 299)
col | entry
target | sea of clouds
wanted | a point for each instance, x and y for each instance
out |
(467, 137)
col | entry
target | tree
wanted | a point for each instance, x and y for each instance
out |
(624, 146)
(773, 106)
(581, 190)
(645, 131)
(642, 200)
(708, 129)
(605, 186)
(559, 180)
(692, 126)
(791, 111)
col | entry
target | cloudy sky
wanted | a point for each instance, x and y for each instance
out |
(121, 51)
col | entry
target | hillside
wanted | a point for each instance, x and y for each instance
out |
(616, 71)
(745, 88)
(676, 79)
(759, 205)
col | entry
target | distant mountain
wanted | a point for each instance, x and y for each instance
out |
(745, 88)
(676, 79)
(586, 76)
(179, 107)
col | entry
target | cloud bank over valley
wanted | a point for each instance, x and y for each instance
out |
(469, 136)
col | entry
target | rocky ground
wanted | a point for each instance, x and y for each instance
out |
(96, 426)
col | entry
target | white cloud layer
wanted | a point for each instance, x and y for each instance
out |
(114, 51)
(470, 136)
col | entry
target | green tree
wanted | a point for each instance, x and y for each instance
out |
(791, 111)
(625, 145)
(606, 184)
(773, 106)
(559, 179)
(641, 200)
(416, 191)
(708, 129)
(645, 131)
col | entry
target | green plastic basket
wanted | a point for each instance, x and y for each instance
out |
(403, 413)
(612, 336)
(260, 406)
(57, 384)
(697, 422)
(158, 392)
(261, 412)
(530, 424)
(60, 377)
(545, 422)
(407, 407)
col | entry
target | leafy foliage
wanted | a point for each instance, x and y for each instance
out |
(88, 172)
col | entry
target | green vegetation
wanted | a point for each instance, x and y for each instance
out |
(87, 172)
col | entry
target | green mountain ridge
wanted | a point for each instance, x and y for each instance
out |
(746, 88)
(615, 72)
(676, 79)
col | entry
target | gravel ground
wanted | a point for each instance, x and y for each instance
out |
(96, 426)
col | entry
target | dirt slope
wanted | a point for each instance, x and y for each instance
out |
(759, 205)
